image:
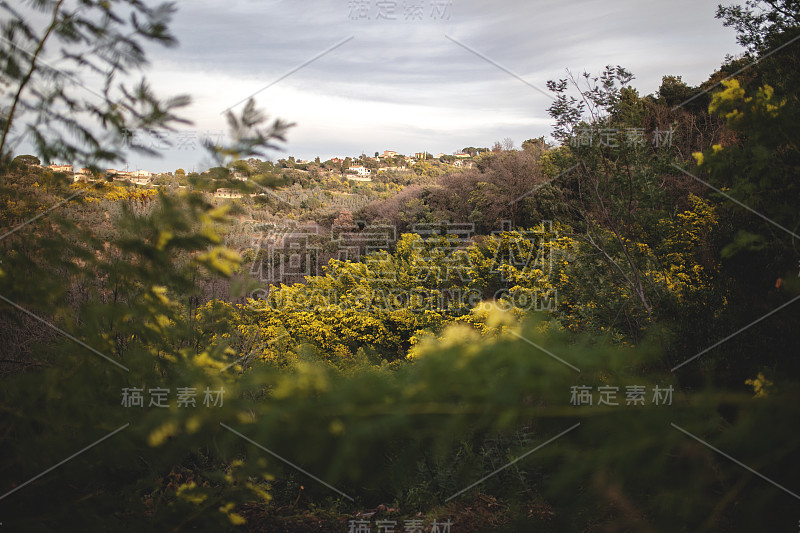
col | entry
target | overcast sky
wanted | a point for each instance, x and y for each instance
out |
(411, 79)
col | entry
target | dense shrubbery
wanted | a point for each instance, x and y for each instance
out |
(405, 377)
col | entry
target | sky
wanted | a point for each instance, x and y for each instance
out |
(412, 75)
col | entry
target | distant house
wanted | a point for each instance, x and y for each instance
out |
(122, 174)
(461, 155)
(420, 155)
(389, 153)
(336, 160)
(241, 176)
(82, 173)
(139, 177)
(61, 168)
(393, 169)
(227, 193)
(360, 170)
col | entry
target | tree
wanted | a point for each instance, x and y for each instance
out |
(218, 173)
(538, 145)
(251, 135)
(759, 171)
(27, 160)
(471, 150)
(610, 180)
(515, 175)
(758, 167)
(759, 24)
(674, 91)
(766, 29)
(65, 120)
(112, 278)
(240, 165)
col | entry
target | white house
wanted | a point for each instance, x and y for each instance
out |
(82, 173)
(140, 177)
(61, 168)
(139, 181)
(119, 174)
(227, 193)
(361, 170)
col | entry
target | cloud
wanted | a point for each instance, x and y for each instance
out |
(401, 83)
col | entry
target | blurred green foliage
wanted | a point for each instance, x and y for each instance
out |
(436, 375)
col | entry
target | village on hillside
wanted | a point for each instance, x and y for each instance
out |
(360, 168)
(383, 167)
